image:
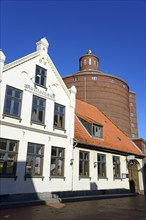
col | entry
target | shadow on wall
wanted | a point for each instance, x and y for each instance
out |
(16, 185)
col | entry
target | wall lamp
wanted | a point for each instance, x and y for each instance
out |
(71, 161)
(95, 164)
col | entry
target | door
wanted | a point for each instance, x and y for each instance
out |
(133, 176)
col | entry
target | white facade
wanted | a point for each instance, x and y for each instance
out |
(20, 76)
(94, 182)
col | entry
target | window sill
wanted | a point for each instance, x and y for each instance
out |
(84, 177)
(30, 177)
(61, 129)
(117, 178)
(44, 87)
(57, 177)
(35, 122)
(102, 178)
(12, 116)
(9, 176)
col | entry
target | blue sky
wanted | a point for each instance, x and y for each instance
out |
(115, 31)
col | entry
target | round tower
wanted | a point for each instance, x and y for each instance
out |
(109, 93)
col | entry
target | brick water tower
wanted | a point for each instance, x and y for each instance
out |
(107, 92)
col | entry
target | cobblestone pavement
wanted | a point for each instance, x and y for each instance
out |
(129, 208)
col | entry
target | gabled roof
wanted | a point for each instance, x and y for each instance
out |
(113, 137)
(35, 54)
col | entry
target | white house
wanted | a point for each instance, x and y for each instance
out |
(105, 158)
(37, 125)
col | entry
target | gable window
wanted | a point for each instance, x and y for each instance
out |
(34, 162)
(97, 131)
(57, 162)
(116, 167)
(40, 76)
(38, 110)
(59, 116)
(8, 157)
(101, 158)
(83, 164)
(13, 100)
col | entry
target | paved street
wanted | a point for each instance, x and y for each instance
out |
(129, 208)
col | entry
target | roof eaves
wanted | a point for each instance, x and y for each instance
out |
(109, 150)
(21, 60)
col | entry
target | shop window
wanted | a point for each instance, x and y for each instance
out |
(101, 158)
(38, 110)
(40, 76)
(34, 161)
(59, 116)
(13, 101)
(83, 164)
(96, 131)
(57, 162)
(116, 167)
(8, 157)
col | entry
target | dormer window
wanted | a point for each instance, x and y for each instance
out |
(96, 131)
(40, 76)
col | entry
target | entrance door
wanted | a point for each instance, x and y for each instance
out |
(133, 176)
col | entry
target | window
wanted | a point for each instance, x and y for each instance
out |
(85, 62)
(101, 158)
(94, 62)
(40, 76)
(131, 114)
(57, 162)
(34, 162)
(112, 80)
(75, 79)
(38, 110)
(59, 116)
(97, 131)
(84, 164)
(116, 167)
(94, 78)
(13, 100)
(8, 156)
(89, 61)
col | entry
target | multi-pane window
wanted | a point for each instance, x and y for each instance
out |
(34, 161)
(101, 158)
(40, 76)
(8, 156)
(97, 131)
(13, 100)
(59, 116)
(84, 164)
(38, 110)
(116, 167)
(57, 162)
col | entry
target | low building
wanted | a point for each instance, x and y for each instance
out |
(37, 125)
(105, 157)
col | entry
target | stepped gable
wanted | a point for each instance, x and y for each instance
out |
(113, 137)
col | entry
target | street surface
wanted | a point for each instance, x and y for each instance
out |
(129, 208)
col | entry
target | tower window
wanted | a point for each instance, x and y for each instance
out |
(94, 78)
(89, 61)
(85, 62)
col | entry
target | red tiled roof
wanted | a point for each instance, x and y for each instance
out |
(113, 137)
